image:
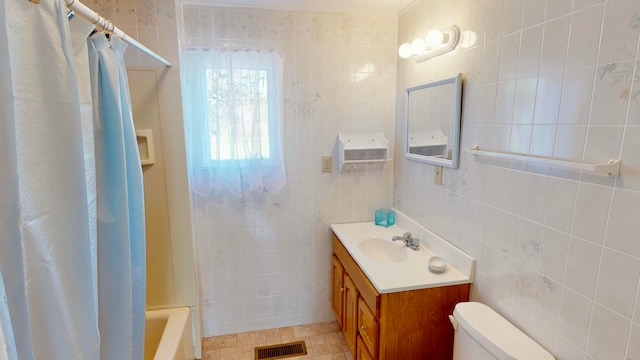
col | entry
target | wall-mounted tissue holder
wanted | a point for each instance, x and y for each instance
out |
(145, 146)
(362, 148)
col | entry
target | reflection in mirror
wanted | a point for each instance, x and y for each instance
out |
(433, 121)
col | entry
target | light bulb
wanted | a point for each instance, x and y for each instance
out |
(435, 38)
(405, 51)
(418, 46)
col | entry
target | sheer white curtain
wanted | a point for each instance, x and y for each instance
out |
(56, 283)
(233, 120)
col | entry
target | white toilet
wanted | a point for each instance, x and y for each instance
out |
(482, 334)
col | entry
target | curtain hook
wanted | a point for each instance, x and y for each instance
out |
(108, 29)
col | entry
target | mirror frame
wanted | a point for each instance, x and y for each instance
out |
(454, 142)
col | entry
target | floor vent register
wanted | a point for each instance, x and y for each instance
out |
(281, 351)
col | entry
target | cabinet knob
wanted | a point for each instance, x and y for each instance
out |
(363, 327)
(341, 289)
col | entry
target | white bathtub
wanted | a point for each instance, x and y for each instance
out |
(168, 335)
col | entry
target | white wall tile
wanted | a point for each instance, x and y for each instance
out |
(524, 104)
(583, 262)
(623, 228)
(509, 49)
(535, 197)
(555, 43)
(633, 117)
(512, 22)
(542, 140)
(574, 319)
(514, 191)
(494, 19)
(619, 32)
(553, 253)
(569, 143)
(557, 8)
(584, 37)
(609, 334)
(530, 243)
(603, 143)
(630, 174)
(504, 102)
(547, 301)
(533, 13)
(563, 349)
(563, 193)
(633, 349)
(611, 93)
(547, 105)
(618, 282)
(581, 4)
(530, 49)
(576, 96)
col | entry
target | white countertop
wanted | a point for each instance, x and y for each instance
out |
(411, 272)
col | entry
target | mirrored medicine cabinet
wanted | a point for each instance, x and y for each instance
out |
(432, 121)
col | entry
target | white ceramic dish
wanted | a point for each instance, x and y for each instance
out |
(437, 264)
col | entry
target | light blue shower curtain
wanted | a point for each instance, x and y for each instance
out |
(121, 233)
(68, 294)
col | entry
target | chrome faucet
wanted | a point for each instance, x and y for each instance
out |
(409, 240)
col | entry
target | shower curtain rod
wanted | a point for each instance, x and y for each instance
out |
(103, 24)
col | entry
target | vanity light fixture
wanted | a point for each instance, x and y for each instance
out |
(436, 42)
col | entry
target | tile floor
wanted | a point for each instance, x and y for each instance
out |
(324, 341)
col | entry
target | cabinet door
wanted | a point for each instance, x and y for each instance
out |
(337, 289)
(368, 327)
(362, 353)
(350, 325)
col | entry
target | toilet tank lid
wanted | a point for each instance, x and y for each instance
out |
(496, 334)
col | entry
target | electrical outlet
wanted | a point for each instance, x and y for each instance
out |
(327, 163)
(437, 175)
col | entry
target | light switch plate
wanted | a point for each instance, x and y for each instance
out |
(327, 163)
(437, 175)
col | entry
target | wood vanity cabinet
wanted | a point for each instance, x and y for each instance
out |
(411, 325)
(337, 289)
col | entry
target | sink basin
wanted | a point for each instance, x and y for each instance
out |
(383, 249)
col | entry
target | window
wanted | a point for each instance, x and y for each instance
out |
(246, 113)
(233, 120)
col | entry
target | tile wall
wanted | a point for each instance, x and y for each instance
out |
(558, 252)
(151, 22)
(264, 262)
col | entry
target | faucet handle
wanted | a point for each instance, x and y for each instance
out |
(407, 236)
(415, 243)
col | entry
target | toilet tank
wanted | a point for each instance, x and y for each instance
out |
(483, 334)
